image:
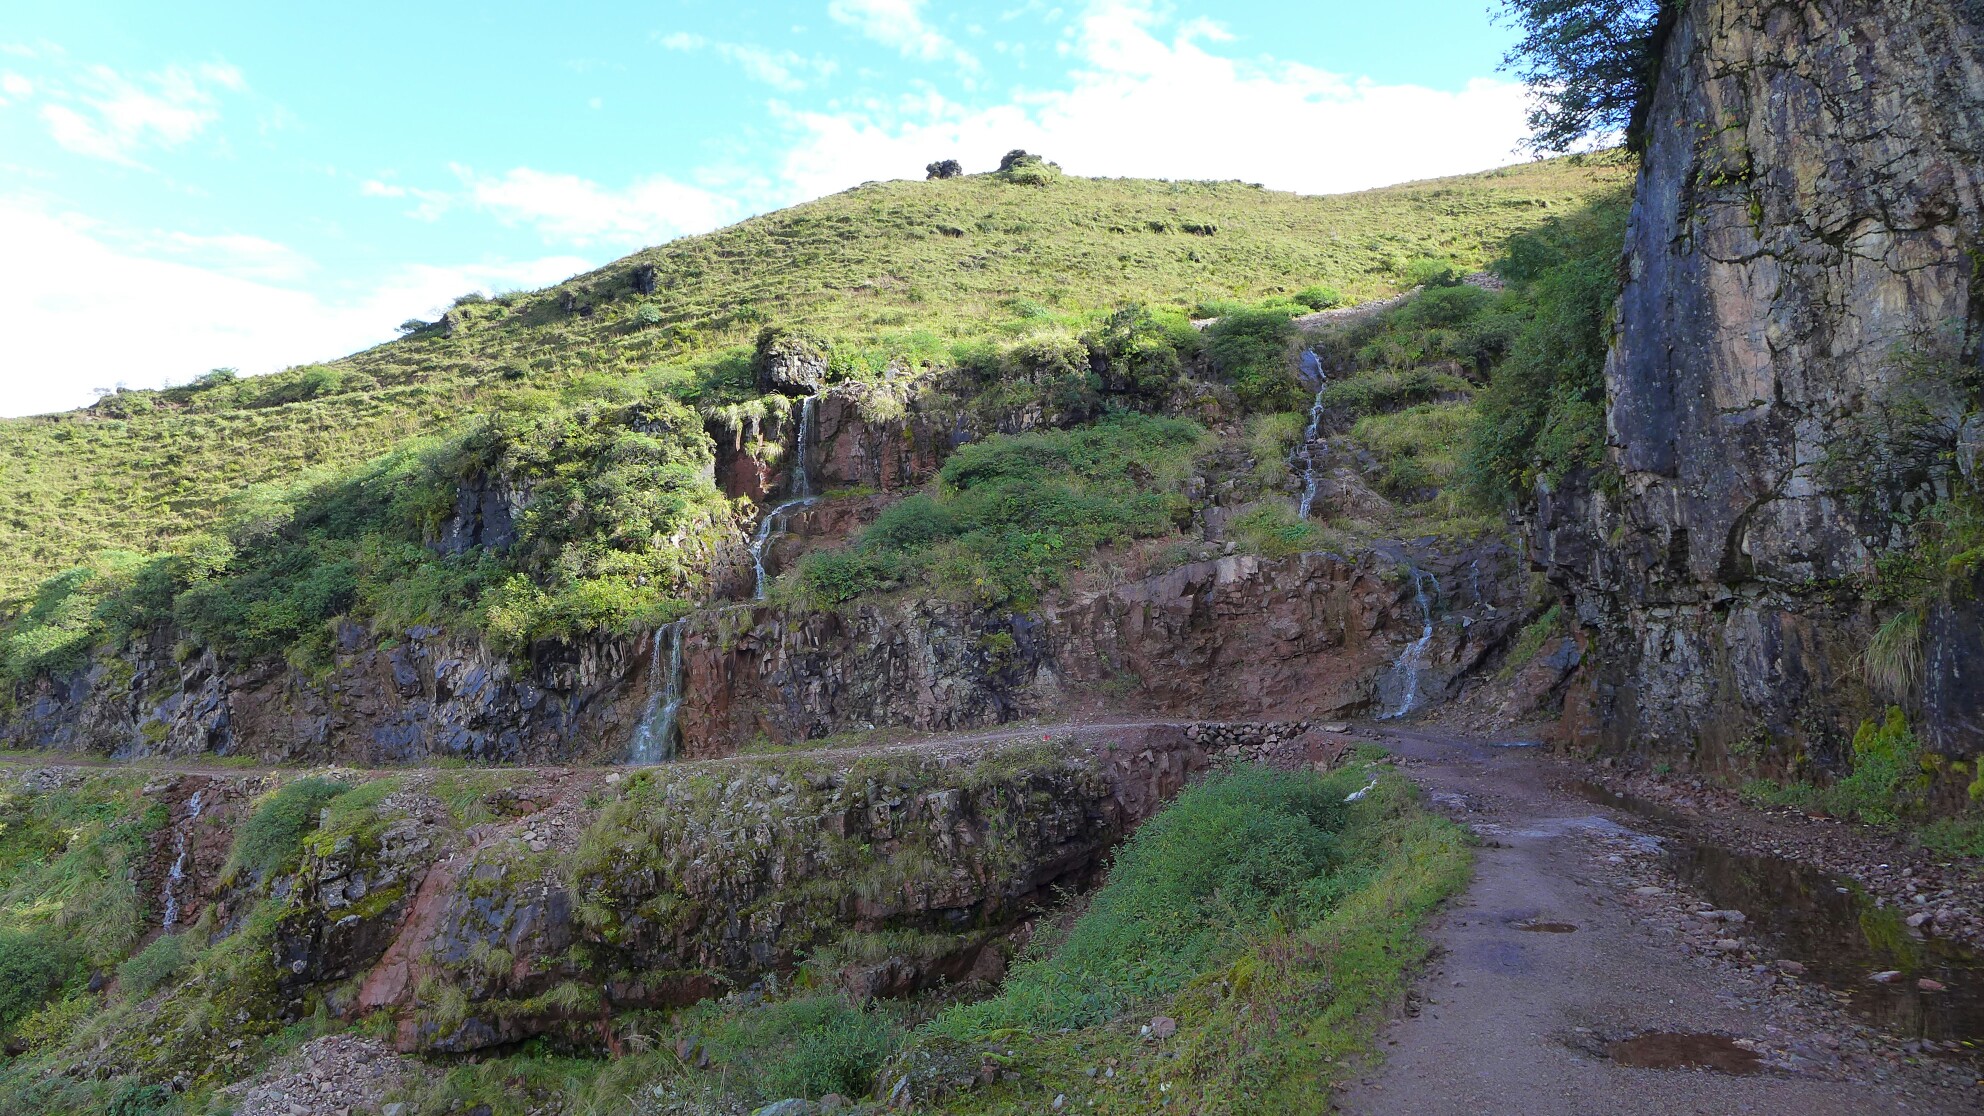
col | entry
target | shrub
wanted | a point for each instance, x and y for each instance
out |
(1543, 414)
(1887, 781)
(31, 967)
(1319, 297)
(805, 1047)
(1027, 170)
(1144, 351)
(1372, 392)
(1251, 350)
(271, 840)
(152, 966)
(1273, 531)
(1430, 272)
(944, 168)
(134, 1098)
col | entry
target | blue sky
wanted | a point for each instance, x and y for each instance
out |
(185, 187)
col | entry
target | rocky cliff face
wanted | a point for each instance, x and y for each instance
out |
(1316, 634)
(591, 894)
(1810, 208)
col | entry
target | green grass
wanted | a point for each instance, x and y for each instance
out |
(1010, 515)
(894, 269)
(1226, 859)
(1887, 783)
(270, 841)
(1270, 1011)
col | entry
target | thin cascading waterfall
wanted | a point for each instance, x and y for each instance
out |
(177, 872)
(802, 496)
(1412, 661)
(654, 738)
(1312, 369)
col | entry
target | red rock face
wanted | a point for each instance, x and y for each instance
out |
(1239, 637)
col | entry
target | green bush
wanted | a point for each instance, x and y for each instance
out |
(1887, 781)
(31, 967)
(1251, 349)
(1145, 351)
(1431, 272)
(1227, 859)
(1320, 297)
(1013, 513)
(1543, 414)
(271, 840)
(1271, 530)
(135, 1098)
(152, 966)
(805, 1047)
(1371, 392)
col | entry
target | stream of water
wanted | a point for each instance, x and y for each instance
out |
(178, 870)
(1312, 371)
(655, 737)
(801, 496)
(1832, 926)
(1412, 661)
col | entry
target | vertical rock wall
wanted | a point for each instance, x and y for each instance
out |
(1809, 207)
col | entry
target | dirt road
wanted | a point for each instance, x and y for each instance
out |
(1564, 953)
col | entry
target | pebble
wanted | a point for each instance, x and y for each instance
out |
(1930, 984)
(1887, 977)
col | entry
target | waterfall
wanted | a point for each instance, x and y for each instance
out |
(1412, 660)
(801, 495)
(655, 737)
(178, 870)
(1312, 369)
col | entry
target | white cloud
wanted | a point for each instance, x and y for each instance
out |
(899, 24)
(577, 211)
(109, 116)
(433, 203)
(785, 70)
(14, 85)
(1142, 104)
(73, 323)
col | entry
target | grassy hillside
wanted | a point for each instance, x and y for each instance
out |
(900, 270)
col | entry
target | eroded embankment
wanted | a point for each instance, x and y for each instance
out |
(460, 910)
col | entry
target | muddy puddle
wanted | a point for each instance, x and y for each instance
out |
(1673, 1051)
(1832, 927)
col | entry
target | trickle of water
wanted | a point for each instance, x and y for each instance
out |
(654, 737)
(1312, 371)
(802, 496)
(1412, 660)
(172, 878)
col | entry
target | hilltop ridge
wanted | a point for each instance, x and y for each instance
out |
(895, 271)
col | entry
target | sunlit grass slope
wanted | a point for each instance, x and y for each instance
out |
(898, 269)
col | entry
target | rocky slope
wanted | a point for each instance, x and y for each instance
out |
(1807, 223)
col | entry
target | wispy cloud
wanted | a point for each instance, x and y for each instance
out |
(785, 70)
(432, 203)
(107, 115)
(899, 24)
(568, 209)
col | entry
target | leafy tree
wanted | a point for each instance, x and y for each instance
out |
(1590, 64)
(944, 168)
